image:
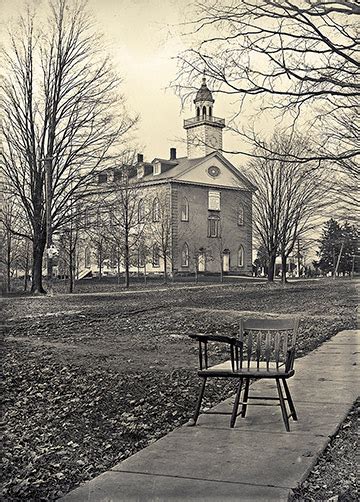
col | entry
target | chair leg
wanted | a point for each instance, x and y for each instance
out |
(289, 400)
(282, 405)
(246, 395)
(236, 404)
(198, 405)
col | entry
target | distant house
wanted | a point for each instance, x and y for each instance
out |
(206, 199)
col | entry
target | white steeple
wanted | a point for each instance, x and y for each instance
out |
(204, 131)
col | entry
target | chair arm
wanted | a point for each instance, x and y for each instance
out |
(203, 340)
(204, 337)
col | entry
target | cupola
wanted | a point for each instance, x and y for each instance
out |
(204, 131)
(204, 100)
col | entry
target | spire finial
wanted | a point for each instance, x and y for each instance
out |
(204, 77)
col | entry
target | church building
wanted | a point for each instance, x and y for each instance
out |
(208, 203)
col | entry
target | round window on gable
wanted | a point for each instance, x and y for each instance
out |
(213, 171)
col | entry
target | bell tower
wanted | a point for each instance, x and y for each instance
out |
(204, 131)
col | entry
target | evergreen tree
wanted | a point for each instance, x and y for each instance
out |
(350, 238)
(262, 259)
(338, 239)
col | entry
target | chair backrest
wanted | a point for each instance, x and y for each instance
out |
(267, 342)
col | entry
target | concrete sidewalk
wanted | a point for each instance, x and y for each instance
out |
(255, 461)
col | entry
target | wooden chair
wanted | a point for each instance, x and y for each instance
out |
(265, 348)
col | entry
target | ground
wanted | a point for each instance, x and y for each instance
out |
(92, 378)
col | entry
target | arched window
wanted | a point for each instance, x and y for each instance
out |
(241, 257)
(156, 210)
(184, 209)
(155, 256)
(240, 219)
(185, 255)
(201, 261)
(210, 111)
(141, 211)
(87, 257)
(198, 111)
(204, 111)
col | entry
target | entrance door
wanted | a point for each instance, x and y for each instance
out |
(201, 262)
(226, 260)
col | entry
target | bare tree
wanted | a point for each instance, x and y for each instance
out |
(60, 101)
(287, 201)
(160, 228)
(69, 243)
(295, 57)
(13, 245)
(98, 231)
(341, 131)
(128, 210)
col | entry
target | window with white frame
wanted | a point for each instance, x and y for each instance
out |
(241, 256)
(185, 255)
(213, 226)
(184, 209)
(156, 210)
(214, 200)
(157, 168)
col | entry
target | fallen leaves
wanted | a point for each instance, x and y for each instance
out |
(334, 476)
(91, 380)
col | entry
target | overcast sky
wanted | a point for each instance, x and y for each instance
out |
(143, 37)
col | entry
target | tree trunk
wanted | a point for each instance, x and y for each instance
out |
(118, 269)
(271, 269)
(283, 268)
(8, 264)
(71, 269)
(145, 278)
(127, 263)
(38, 253)
(165, 268)
(26, 277)
(100, 261)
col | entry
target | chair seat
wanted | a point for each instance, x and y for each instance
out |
(224, 370)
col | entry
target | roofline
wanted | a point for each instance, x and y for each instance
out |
(235, 171)
(196, 183)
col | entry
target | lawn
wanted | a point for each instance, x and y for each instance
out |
(90, 379)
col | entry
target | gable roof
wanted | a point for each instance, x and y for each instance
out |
(183, 165)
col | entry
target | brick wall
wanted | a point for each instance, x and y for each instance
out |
(195, 231)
